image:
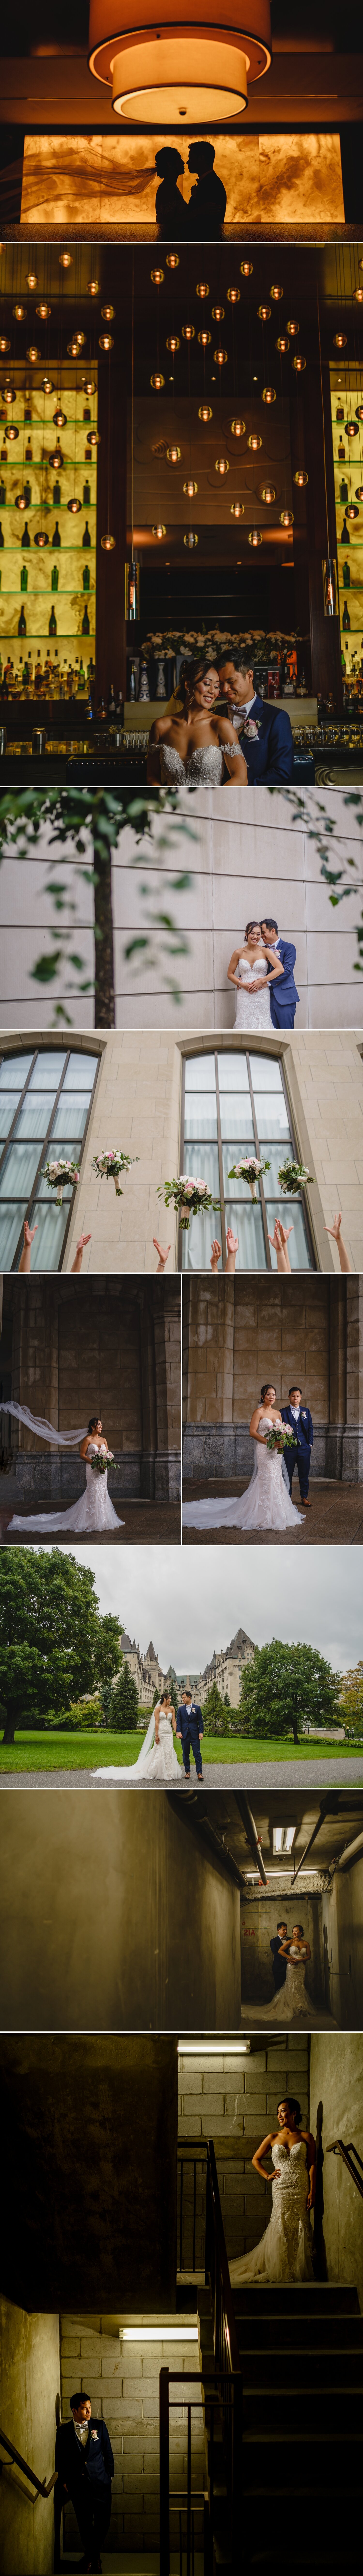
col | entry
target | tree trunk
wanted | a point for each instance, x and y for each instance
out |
(9, 1729)
(294, 1722)
(104, 981)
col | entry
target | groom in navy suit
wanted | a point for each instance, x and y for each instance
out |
(264, 729)
(283, 995)
(299, 1419)
(189, 1726)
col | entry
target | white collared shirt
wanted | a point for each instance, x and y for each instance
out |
(295, 1409)
(240, 712)
(82, 2432)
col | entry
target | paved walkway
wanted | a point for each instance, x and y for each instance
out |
(217, 1775)
(142, 1524)
(335, 1519)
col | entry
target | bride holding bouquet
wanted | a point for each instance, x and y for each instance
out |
(94, 1509)
(267, 1503)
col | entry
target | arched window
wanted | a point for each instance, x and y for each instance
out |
(45, 1101)
(235, 1102)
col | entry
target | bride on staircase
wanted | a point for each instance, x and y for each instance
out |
(285, 2252)
(267, 1503)
(193, 748)
(94, 1510)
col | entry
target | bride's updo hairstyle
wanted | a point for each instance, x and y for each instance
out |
(190, 672)
(291, 2104)
(265, 1390)
(252, 925)
(95, 1417)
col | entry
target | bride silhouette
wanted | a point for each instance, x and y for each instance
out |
(171, 213)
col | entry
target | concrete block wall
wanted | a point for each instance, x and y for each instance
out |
(233, 2099)
(122, 2381)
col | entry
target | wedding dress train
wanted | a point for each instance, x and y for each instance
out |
(94, 1509)
(156, 1762)
(253, 1009)
(266, 1505)
(292, 2002)
(285, 2252)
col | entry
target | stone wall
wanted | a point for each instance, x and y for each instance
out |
(110, 1348)
(29, 2386)
(336, 2081)
(237, 1334)
(234, 2100)
(122, 2381)
(132, 1890)
(342, 1931)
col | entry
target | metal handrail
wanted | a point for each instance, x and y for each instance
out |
(216, 2269)
(42, 2485)
(338, 2147)
(219, 2390)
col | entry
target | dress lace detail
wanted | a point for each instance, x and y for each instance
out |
(266, 1505)
(285, 2252)
(252, 1009)
(292, 2001)
(201, 767)
(161, 1763)
(94, 1510)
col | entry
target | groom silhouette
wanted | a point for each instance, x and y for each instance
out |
(279, 1966)
(189, 1727)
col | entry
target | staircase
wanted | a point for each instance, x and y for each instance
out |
(301, 2458)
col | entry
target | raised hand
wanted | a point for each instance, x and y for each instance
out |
(163, 1254)
(338, 1239)
(82, 1239)
(215, 1254)
(232, 1248)
(25, 1256)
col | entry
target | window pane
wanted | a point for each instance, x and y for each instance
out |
(240, 1189)
(201, 1162)
(67, 1146)
(13, 1071)
(11, 1222)
(233, 1113)
(81, 1072)
(48, 1069)
(246, 1222)
(233, 1072)
(275, 1154)
(197, 1245)
(7, 1110)
(292, 1213)
(266, 1073)
(200, 1073)
(51, 1222)
(272, 1116)
(35, 1114)
(199, 1115)
(70, 1115)
(18, 1171)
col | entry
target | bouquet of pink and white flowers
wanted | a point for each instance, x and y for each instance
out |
(280, 1436)
(59, 1176)
(109, 1166)
(293, 1177)
(248, 1170)
(190, 1196)
(100, 1464)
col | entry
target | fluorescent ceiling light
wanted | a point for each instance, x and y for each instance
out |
(284, 1837)
(214, 2047)
(158, 2334)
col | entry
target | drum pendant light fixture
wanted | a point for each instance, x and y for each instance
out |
(182, 68)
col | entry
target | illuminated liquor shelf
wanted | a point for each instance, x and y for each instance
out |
(48, 588)
(346, 401)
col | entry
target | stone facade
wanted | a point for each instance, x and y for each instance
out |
(104, 1347)
(239, 1334)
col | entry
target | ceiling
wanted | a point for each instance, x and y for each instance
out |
(218, 1817)
(316, 73)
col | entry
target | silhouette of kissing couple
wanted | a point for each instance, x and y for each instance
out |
(203, 218)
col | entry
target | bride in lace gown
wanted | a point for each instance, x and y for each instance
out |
(248, 971)
(285, 2252)
(195, 747)
(94, 1510)
(157, 1760)
(292, 2001)
(267, 1503)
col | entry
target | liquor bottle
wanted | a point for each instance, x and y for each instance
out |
(1, 536)
(345, 537)
(56, 674)
(2, 493)
(339, 411)
(346, 576)
(85, 628)
(56, 538)
(27, 494)
(111, 701)
(86, 539)
(343, 491)
(55, 577)
(52, 628)
(87, 414)
(86, 577)
(28, 452)
(86, 501)
(24, 577)
(56, 495)
(22, 622)
(132, 684)
(25, 540)
(4, 454)
(346, 619)
(38, 675)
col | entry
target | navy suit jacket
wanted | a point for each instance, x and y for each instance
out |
(94, 2460)
(303, 1428)
(279, 1965)
(271, 756)
(283, 993)
(184, 1715)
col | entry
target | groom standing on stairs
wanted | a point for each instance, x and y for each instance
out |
(299, 1419)
(189, 1727)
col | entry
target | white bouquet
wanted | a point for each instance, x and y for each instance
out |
(280, 1436)
(59, 1176)
(189, 1195)
(248, 1170)
(293, 1177)
(109, 1166)
(100, 1464)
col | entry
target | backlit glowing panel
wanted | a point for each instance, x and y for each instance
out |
(89, 178)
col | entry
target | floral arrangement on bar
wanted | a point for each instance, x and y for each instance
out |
(173, 639)
(280, 1439)
(248, 1170)
(59, 1176)
(189, 1196)
(109, 1166)
(100, 1464)
(293, 1177)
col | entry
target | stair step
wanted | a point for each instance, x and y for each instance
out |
(265, 2371)
(341, 2333)
(318, 2296)
(289, 2414)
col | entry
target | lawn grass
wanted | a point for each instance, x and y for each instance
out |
(37, 1752)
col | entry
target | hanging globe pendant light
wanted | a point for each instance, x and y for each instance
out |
(179, 71)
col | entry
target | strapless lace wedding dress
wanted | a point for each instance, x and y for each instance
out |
(266, 1505)
(292, 2002)
(159, 1765)
(252, 1009)
(202, 768)
(285, 2253)
(94, 1510)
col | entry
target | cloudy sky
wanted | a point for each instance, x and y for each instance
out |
(189, 1605)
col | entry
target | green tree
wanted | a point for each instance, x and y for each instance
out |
(227, 1702)
(284, 1685)
(215, 1713)
(104, 814)
(351, 1701)
(54, 1644)
(122, 1705)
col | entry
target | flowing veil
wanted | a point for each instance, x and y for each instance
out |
(45, 1430)
(107, 1772)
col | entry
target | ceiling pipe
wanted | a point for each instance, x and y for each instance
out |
(245, 1811)
(323, 1812)
(351, 1852)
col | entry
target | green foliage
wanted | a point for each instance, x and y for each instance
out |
(323, 827)
(215, 1712)
(103, 814)
(83, 1714)
(54, 1644)
(285, 1684)
(351, 1701)
(121, 1706)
